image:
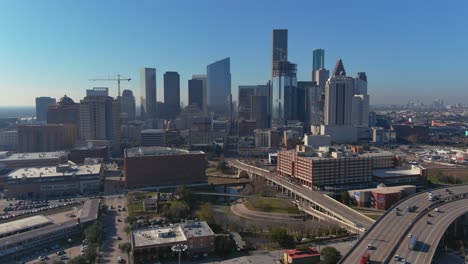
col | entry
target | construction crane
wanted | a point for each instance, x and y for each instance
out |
(118, 79)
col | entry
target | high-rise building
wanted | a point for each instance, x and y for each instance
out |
(360, 83)
(339, 97)
(204, 79)
(321, 77)
(195, 93)
(148, 93)
(153, 137)
(99, 117)
(172, 94)
(318, 62)
(245, 101)
(46, 137)
(259, 111)
(279, 46)
(360, 101)
(65, 111)
(41, 107)
(284, 92)
(127, 103)
(219, 86)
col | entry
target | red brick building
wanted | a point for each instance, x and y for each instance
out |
(308, 256)
(155, 166)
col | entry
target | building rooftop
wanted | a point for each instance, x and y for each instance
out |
(387, 190)
(22, 224)
(391, 173)
(153, 131)
(55, 171)
(171, 235)
(157, 151)
(297, 254)
(34, 156)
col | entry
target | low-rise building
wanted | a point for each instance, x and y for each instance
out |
(308, 256)
(33, 159)
(154, 243)
(413, 175)
(382, 197)
(54, 181)
(155, 166)
(79, 154)
(153, 137)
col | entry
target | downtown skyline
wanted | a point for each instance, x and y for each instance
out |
(400, 55)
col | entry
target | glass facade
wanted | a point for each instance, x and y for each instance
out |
(284, 95)
(219, 86)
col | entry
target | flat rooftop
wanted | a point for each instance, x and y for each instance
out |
(157, 151)
(393, 189)
(51, 171)
(23, 224)
(392, 173)
(198, 229)
(34, 156)
(160, 236)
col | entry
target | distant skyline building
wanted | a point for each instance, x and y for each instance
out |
(321, 77)
(41, 107)
(318, 62)
(339, 97)
(195, 93)
(244, 103)
(99, 117)
(360, 83)
(46, 137)
(204, 79)
(148, 93)
(219, 86)
(65, 111)
(128, 104)
(259, 111)
(284, 92)
(279, 46)
(172, 94)
(361, 101)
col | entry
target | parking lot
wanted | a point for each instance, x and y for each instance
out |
(15, 209)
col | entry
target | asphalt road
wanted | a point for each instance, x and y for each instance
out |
(386, 234)
(429, 235)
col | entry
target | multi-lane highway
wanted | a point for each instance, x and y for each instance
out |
(429, 235)
(327, 205)
(387, 233)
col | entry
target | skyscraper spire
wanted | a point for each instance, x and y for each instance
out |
(339, 69)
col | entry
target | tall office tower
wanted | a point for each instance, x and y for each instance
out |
(301, 107)
(360, 110)
(259, 110)
(148, 93)
(172, 94)
(195, 93)
(280, 46)
(46, 137)
(65, 111)
(127, 104)
(219, 86)
(284, 92)
(338, 97)
(245, 102)
(41, 107)
(99, 117)
(314, 105)
(318, 62)
(360, 83)
(265, 90)
(204, 79)
(321, 77)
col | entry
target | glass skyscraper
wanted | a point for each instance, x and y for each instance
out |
(148, 93)
(284, 92)
(318, 62)
(219, 86)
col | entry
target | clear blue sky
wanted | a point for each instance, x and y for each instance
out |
(409, 49)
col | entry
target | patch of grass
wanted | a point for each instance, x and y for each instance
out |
(271, 205)
(373, 216)
(135, 209)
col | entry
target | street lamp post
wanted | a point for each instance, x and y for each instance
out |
(179, 248)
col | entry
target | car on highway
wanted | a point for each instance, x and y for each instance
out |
(120, 259)
(410, 235)
(397, 258)
(437, 209)
(370, 246)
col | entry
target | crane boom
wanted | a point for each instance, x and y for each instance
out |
(118, 79)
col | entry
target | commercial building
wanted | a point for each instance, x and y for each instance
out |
(100, 116)
(318, 62)
(295, 256)
(411, 133)
(220, 126)
(54, 181)
(9, 140)
(23, 225)
(65, 111)
(46, 137)
(284, 92)
(279, 46)
(312, 107)
(195, 93)
(382, 136)
(219, 87)
(127, 104)
(321, 78)
(382, 197)
(244, 103)
(316, 141)
(204, 79)
(156, 166)
(340, 170)
(148, 244)
(153, 137)
(21, 160)
(79, 154)
(148, 93)
(414, 175)
(266, 138)
(208, 138)
(171, 94)
(41, 107)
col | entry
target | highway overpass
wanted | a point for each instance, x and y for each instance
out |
(391, 230)
(311, 202)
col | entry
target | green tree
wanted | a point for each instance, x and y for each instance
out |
(187, 195)
(130, 219)
(93, 233)
(206, 213)
(330, 255)
(178, 209)
(126, 247)
(91, 253)
(77, 260)
(346, 198)
(302, 247)
(127, 229)
(281, 236)
(224, 245)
